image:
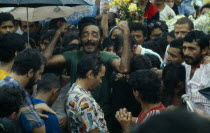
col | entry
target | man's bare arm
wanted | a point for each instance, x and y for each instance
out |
(123, 65)
(39, 130)
(49, 50)
(104, 21)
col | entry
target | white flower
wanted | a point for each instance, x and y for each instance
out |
(198, 3)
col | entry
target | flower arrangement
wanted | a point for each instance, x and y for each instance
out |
(170, 23)
(128, 10)
(197, 4)
(202, 23)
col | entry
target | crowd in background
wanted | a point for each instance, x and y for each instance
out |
(101, 76)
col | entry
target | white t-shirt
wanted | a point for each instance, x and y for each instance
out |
(166, 12)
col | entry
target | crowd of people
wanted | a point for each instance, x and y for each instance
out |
(101, 76)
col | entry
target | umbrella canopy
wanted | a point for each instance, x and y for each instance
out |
(42, 13)
(37, 3)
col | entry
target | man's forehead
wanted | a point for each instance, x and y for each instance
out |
(181, 26)
(90, 28)
(7, 23)
(190, 44)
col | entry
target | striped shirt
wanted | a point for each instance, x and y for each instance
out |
(153, 111)
(28, 118)
(200, 80)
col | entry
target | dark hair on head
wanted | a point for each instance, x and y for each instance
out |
(153, 45)
(88, 24)
(176, 121)
(140, 62)
(26, 60)
(11, 98)
(48, 82)
(6, 17)
(154, 60)
(8, 125)
(185, 20)
(70, 37)
(157, 24)
(33, 39)
(107, 43)
(53, 22)
(207, 5)
(162, 42)
(171, 34)
(48, 35)
(147, 83)
(138, 26)
(173, 73)
(177, 43)
(87, 63)
(9, 44)
(198, 36)
(85, 20)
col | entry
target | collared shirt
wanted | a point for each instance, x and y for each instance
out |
(84, 113)
(28, 118)
(200, 80)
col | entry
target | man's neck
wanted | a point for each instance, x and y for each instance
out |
(147, 106)
(43, 96)
(20, 78)
(83, 83)
(6, 66)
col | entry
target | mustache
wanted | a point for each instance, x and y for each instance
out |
(90, 43)
(187, 57)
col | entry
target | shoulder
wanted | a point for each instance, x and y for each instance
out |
(72, 53)
(107, 57)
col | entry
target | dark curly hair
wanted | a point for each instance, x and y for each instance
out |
(147, 83)
(198, 36)
(87, 63)
(11, 98)
(9, 44)
(140, 62)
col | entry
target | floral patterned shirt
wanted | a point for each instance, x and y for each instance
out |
(84, 113)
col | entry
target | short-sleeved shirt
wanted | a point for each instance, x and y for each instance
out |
(51, 123)
(153, 111)
(3, 74)
(103, 93)
(84, 113)
(29, 117)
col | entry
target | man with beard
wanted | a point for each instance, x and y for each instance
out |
(26, 71)
(197, 67)
(90, 37)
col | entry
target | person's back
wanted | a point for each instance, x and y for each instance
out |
(47, 92)
(10, 45)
